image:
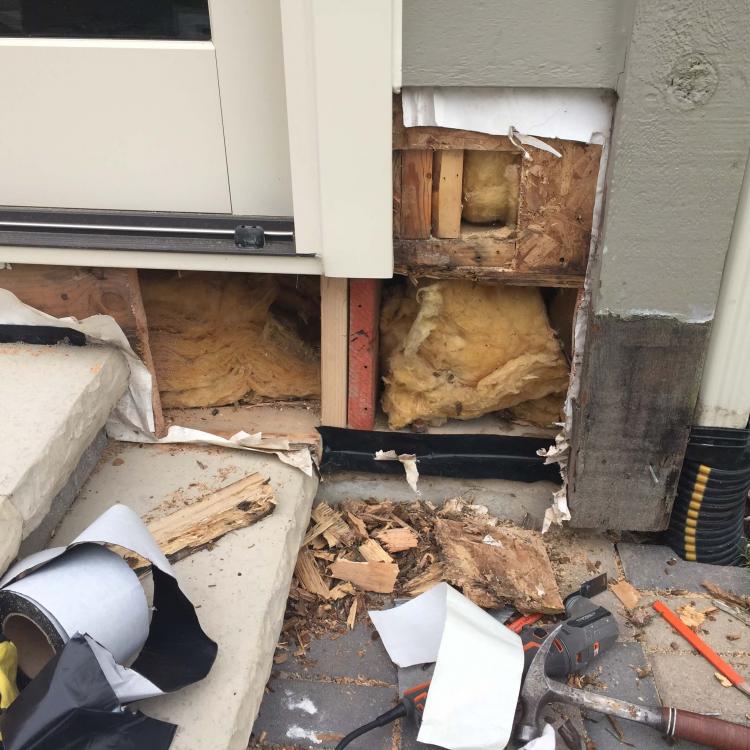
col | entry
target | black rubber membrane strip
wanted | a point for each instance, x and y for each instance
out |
(45, 335)
(460, 456)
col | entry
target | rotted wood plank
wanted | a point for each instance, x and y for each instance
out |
(416, 194)
(64, 291)
(556, 207)
(639, 383)
(480, 256)
(364, 315)
(447, 179)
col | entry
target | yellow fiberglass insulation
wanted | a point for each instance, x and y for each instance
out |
(491, 183)
(457, 349)
(217, 338)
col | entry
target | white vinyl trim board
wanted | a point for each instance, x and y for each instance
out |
(106, 124)
(338, 61)
(250, 65)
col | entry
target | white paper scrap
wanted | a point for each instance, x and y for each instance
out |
(479, 664)
(572, 114)
(545, 742)
(408, 461)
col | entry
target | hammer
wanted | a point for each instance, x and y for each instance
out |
(538, 690)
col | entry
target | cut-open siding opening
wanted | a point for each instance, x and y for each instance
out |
(474, 358)
(219, 339)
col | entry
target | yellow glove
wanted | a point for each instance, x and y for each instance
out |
(8, 671)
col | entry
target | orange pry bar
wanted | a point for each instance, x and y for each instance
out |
(702, 647)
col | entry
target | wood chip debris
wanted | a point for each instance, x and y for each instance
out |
(367, 576)
(693, 617)
(496, 565)
(398, 540)
(723, 680)
(626, 593)
(362, 554)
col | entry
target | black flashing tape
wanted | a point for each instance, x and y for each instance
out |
(460, 456)
(70, 706)
(45, 335)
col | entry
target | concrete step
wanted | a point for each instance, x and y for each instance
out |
(240, 586)
(54, 401)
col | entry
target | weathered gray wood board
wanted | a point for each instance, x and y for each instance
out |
(577, 43)
(640, 381)
(680, 144)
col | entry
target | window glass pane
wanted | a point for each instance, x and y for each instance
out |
(106, 19)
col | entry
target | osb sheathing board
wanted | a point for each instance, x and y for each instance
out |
(218, 338)
(458, 349)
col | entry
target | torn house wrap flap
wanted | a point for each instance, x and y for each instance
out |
(81, 589)
(478, 670)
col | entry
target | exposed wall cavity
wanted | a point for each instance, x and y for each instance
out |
(458, 350)
(218, 338)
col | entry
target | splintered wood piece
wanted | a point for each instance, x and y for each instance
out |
(358, 525)
(494, 565)
(379, 577)
(398, 540)
(336, 532)
(447, 178)
(309, 576)
(727, 596)
(416, 194)
(626, 593)
(373, 552)
(424, 581)
(209, 518)
(340, 590)
(315, 531)
(352, 617)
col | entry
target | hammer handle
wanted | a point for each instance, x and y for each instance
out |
(706, 730)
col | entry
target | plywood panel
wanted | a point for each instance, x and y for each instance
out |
(556, 207)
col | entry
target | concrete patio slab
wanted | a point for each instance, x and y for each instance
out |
(239, 586)
(653, 567)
